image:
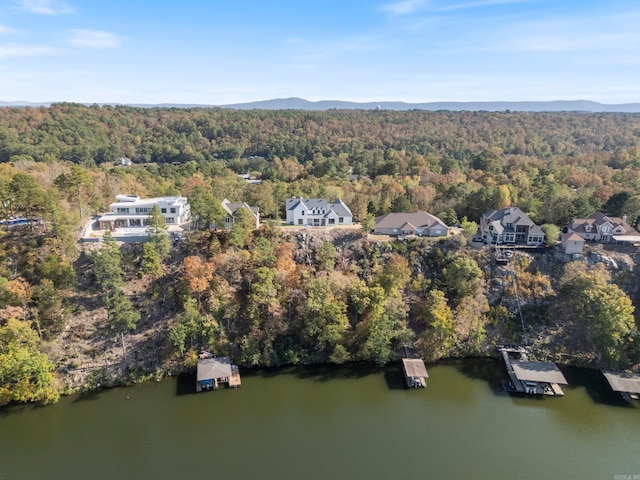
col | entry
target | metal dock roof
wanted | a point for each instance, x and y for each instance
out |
(623, 382)
(217, 367)
(414, 367)
(545, 372)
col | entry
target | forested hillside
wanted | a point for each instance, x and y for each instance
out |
(272, 297)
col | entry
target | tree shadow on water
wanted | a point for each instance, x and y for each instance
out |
(326, 372)
(88, 395)
(489, 370)
(596, 385)
(186, 384)
(394, 377)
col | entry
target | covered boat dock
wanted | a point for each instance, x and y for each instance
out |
(415, 372)
(627, 384)
(213, 371)
(533, 378)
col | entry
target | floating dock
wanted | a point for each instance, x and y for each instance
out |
(533, 378)
(415, 372)
(627, 384)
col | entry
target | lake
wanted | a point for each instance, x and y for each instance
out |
(321, 422)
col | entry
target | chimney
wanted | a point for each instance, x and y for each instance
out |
(624, 219)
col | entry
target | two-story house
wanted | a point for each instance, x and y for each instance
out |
(131, 211)
(231, 207)
(510, 225)
(600, 228)
(317, 212)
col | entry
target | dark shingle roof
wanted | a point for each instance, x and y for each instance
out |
(419, 219)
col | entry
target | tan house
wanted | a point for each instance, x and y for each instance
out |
(600, 228)
(418, 223)
(572, 243)
(232, 207)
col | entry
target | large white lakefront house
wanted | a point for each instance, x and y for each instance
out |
(317, 212)
(131, 211)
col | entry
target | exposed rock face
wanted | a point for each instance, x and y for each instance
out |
(612, 260)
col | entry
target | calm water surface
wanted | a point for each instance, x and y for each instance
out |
(320, 423)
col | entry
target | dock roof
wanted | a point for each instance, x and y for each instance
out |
(414, 367)
(623, 382)
(209, 368)
(545, 372)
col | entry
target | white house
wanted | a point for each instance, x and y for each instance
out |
(317, 212)
(131, 211)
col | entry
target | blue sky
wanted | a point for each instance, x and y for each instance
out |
(220, 52)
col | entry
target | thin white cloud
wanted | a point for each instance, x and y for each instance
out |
(404, 8)
(45, 7)
(408, 7)
(4, 30)
(478, 4)
(94, 39)
(12, 51)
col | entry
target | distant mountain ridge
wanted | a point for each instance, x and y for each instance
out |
(295, 103)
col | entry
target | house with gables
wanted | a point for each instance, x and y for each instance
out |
(232, 207)
(510, 225)
(317, 212)
(417, 223)
(601, 228)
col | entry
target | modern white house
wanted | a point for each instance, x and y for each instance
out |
(317, 212)
(131, 211)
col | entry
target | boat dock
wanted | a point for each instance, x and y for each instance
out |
(533, 378)
(415, 372)
(213, 371)
(627, 384)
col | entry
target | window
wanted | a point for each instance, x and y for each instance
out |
(605, 229)
(300, 221)
(122, 210)
(302, 213)
(340, 219)
(438, 232)
(332, 221)
(163, 210)
(173, 210)
(171, 220)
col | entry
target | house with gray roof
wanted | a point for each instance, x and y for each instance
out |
(510, 225)
(317, 212)
(417, 223)
(232, 207)
(601, 228)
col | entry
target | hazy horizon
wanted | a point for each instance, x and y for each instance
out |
(414, 51)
